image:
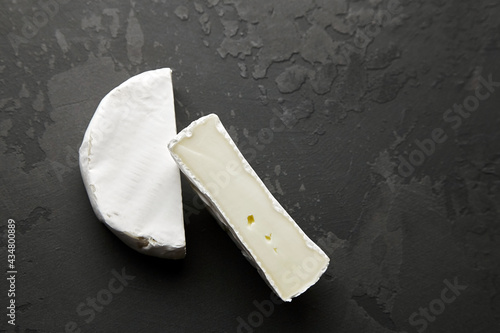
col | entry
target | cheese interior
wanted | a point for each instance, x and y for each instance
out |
(288, 259)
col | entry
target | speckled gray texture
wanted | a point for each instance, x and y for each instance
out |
(333, 103)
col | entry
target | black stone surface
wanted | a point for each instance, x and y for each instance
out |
(334, 103)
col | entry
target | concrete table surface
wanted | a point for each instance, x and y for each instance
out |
(375, 124)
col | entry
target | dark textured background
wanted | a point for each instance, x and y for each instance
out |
(324, 98)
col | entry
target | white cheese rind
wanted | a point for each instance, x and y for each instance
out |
(132, 181)
(288, 261)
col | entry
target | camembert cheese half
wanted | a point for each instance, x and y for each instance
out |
(132, 181)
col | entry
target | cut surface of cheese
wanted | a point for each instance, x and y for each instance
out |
(282, 253)
(131, 179)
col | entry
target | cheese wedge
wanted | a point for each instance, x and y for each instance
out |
(268, 237)
(132, 181)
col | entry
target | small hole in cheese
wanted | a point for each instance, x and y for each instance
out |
(268, 237)
(250, 219)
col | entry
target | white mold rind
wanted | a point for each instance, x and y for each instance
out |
(146, 214)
